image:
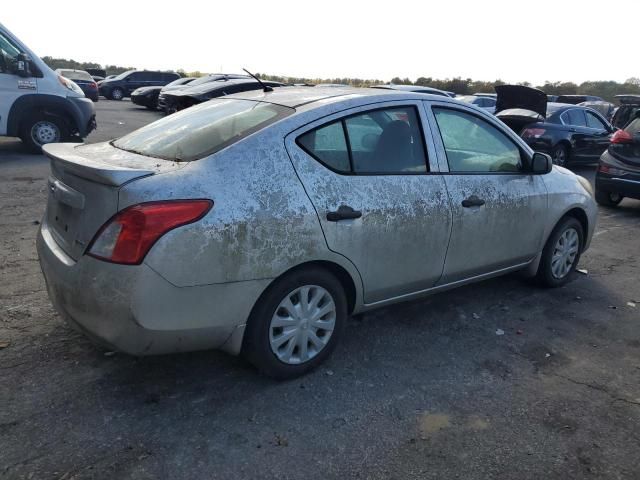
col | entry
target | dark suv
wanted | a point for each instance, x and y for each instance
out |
(629, 108)
(121, 86)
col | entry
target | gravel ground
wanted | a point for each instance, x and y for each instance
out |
(423, 390)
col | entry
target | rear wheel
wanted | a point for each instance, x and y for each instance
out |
(40, 129)
(608, 199)
(296, 324)
(117, 94)
(561, 253)
(560, 155)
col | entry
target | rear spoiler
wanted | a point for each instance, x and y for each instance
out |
(64, 156)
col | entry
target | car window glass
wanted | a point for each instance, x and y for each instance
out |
(8, 55)
(328, 144)
(594, 122)
(574, 117)
(633, 127)
(474, 145)
(386, 141)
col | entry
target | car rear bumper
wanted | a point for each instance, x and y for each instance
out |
(627, 187)
(134, 310)
(143, 100)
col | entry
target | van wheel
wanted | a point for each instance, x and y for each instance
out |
(117, 94)
(608, 199)
(561, 253)
(296, 324)
(40, 129)
(560, 155)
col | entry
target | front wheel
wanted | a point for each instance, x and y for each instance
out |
(560, 155)
(561, 253)
(608, 199)
(296, 324)
(40, 129)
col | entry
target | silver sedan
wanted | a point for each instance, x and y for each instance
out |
(259, 222)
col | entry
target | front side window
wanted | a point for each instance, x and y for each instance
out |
(383, 141)
(202, 130)
(473, 145)
(594, 122)
(8, 55)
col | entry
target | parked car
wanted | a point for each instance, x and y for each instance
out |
(576, 99)
(569, 133)
(176, 100)
(618, 173)
(415, 89)
(148, 96)
(487, 103)
(212, 77)
(488, 95)
(83, 80)
(96, 72)
(37, 104)
(629, 108)
(96, 78)
(122, 85)
(256, 223)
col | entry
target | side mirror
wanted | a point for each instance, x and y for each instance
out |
(541, 163)
(23, 62)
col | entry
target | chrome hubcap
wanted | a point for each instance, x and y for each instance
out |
(564, 253)
(302, 324)
(560, 157)
(117, 94)
(45, 132)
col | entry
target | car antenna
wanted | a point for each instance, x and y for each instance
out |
(265, 88)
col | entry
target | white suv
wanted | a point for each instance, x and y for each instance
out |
(36, 104)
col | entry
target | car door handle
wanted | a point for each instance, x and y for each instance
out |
(472, 201)
(344, 212)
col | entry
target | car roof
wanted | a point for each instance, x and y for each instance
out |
(296, 97)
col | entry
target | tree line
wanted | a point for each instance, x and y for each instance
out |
(461, 86)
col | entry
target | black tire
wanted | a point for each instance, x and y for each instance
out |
(560, 155)
(608, 199)
(116, 94)
(39, 129)
(545, 274)
(256, 347)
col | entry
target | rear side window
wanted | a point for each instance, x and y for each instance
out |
(383, 141)
(202, 130)
(594, 122)
(574, 117)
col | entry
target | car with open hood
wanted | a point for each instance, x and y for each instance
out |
(256, 223)
(569, 133)
(627, 111)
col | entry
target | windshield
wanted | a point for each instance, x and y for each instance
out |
(76, 75)
(467, 98)
(202, 130)
(122, 75)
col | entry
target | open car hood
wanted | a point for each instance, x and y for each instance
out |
(520, 97)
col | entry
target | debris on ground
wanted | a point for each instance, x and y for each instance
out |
(499, 331)
(613, 307)
(328, 372)
(4, 344)
(631, 304)
(109, 354)
(519, 332)
(583, 271)
(475, 316)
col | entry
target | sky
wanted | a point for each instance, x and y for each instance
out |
(559, 40)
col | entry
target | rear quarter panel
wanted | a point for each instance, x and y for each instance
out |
(262, 222)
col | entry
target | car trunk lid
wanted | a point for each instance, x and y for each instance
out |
(83, 189)
(521, 97)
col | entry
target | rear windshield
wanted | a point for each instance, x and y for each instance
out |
(71, 75)
(202, 130)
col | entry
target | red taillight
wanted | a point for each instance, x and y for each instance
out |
(93, 84)
(129, 235)
(532, 132)
(603, 167)
(622, 136)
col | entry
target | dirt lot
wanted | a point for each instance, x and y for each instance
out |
(421, 390)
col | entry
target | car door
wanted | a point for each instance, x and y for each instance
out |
(11, 85)
(380, 200)
(499, 208)
(600, 134)
(580, 135)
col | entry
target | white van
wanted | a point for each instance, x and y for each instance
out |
(36, 104)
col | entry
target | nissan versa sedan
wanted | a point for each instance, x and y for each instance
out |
(258, 222)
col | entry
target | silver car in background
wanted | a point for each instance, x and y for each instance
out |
(256, 223)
